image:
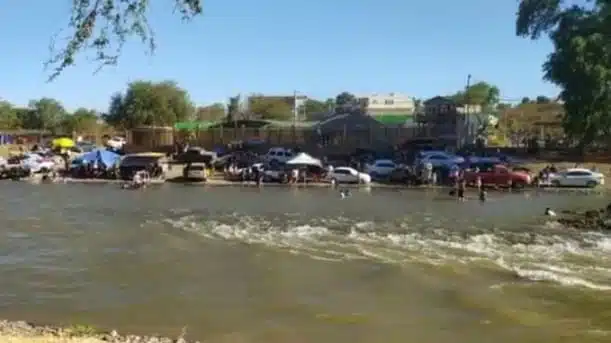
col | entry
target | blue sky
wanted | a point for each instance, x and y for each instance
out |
(320, 48)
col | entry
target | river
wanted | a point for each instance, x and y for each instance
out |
(303, 265)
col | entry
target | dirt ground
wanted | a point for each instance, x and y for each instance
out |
(47, 339)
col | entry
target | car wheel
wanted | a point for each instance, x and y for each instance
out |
(517, 185)
(556, 183)
(591, 184)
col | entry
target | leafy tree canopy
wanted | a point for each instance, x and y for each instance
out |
(212, 112)
(270, 108)
(147, 103)
(480, 93)
(44, 114)
(345, 99)
(313, 106)
(580, 63)
(82, 120)
(47, 114)
(104, 26)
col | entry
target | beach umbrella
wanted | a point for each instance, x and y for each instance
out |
(63, 143)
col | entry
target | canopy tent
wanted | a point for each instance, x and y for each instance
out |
(100, 156)
(304, 159)
(63, 143)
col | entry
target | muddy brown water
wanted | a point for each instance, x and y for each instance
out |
(303, 265)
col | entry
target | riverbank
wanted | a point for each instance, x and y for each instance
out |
(220, 182)
(23, 332)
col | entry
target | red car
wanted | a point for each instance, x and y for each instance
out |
(498, 175)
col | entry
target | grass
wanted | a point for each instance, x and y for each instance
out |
(81, 330)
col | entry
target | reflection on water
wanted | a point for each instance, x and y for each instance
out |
(249, 265)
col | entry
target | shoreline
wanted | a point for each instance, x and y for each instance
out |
(25, 332)
(218, 182)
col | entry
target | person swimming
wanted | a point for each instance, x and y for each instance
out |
(549, 212)
(344, 193)
(482, 195)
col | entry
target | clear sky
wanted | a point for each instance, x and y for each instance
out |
(317, 47)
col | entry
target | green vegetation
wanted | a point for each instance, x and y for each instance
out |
(580, 63)
(104, 26)
(46, 114)
(81, 330)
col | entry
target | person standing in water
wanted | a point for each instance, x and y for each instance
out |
(462, 185)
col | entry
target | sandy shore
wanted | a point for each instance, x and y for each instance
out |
(23, 332)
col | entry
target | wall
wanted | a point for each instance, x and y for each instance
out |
(392, 102)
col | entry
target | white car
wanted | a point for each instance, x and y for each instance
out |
(440, 159)
(577, 177)
(348, 175)
(197, 171)
(36, 163)
(380, 168)
(279, 155)
(116, 142)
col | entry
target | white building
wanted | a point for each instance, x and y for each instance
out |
(389, 103)
(390, 108)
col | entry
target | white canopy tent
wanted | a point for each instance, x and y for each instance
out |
(304, 159)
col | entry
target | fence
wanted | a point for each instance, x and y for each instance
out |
(296, 136)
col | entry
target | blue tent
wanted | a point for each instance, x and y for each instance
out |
(103, 157)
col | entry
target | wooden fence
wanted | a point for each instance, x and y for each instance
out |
(152, 138)
(296, 136)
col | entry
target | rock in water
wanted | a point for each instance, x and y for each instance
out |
(588, 220)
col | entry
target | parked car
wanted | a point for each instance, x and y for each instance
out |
(195, 171)
(402, 174)
(348, 175)
(439, 158)
(116, 143)
(132, 163)
(380, 168)
(498, 175)
(273, 173)
(278, 155)
(577, 177)
(35, 163)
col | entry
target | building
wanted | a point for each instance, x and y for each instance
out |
(390, 108)
(351, 129)
(448, 121)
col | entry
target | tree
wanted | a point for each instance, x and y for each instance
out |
(8, 116)
(541, 99)
(43, 114)
(580, 63)
(345, 99)
(270, 108)
(104, 26)
(147, 103)
(480, 93)
(213, 112)
(82, 120)
(313, 106)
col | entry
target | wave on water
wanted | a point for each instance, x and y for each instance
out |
(550, 255)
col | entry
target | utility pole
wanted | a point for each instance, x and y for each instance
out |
(463, 118)
(295, 110)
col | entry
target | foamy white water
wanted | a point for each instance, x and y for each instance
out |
(577, 260)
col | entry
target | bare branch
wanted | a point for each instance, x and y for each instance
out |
(104, 26)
